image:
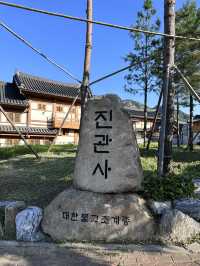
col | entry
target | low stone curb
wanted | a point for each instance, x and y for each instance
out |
(14, 253)
(107, 247)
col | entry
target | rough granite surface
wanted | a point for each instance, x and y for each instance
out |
(108, 158)
(81, 215)
(178, 227)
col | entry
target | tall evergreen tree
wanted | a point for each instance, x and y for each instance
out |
(188, 54)
(181, 100)
(167, 123)
(143, 76)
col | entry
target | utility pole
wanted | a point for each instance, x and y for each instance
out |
(87, 61)
(166, 132)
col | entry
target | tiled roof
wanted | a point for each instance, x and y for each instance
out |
(140, 113)
(10, 95)
(38, 85)
(28, 130)
(196, 118)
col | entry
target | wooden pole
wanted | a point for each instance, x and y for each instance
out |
(154, 121)
(61, 126)
(165, 143)
(18, 131)
(177, 121)
(145, 91)
(87, 61)
(86, 72)
(190, 140)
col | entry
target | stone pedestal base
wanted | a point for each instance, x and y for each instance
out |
(87, 216)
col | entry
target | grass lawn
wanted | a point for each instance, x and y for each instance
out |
(36, 181)
(185, 163)
(22, 177)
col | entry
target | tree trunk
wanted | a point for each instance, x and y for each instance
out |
(190, 140)
(145, 91)
(88, 51)
(145, 115)
(145, 110)
(177, 124)
(166, 134)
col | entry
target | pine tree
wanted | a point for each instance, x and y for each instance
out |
(188, 54)
(167, 123)
(145, 58)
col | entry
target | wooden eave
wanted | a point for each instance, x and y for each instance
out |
(142, 118)
(47, 96)
(14, 107)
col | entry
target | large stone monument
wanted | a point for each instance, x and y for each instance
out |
(108, 158)
(102, 204)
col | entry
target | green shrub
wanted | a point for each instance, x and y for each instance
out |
(168, 188)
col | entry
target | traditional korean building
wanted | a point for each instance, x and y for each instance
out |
(137, 118)
(37, 107)
(196, 129)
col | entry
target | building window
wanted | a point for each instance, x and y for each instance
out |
(14, 117)
(41, 107)
(12, 142)
(59, 108)
(17, 117)
(47, 142)
(34, 141)
(73, 111)
(11, 116)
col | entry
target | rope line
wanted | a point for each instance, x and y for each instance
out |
(62, 124)
(44, 56)
(101, 23)
(193, 92)
(111, 74)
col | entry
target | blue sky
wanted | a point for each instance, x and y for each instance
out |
(64, 40)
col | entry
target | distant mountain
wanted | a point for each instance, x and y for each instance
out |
(134, 105)
(131, 104)
(183, 116)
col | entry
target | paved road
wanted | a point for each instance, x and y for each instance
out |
(44, 254)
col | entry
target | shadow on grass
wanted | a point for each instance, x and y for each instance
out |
(37, 182)
(150, 153)
(10, 152)
(186, 156)
(181, 154)
(191, 170)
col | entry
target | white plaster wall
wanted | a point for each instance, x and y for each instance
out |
(40, 118)
(65, 139)
(71, 116)
(2, 142)
(140, 124)
(43, 119)
(40, 114)
(23, 118)
(78, 111)
(4, 121)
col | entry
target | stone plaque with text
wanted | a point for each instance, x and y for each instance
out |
(82, 215)
(108, 157)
